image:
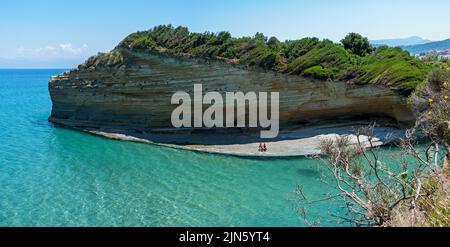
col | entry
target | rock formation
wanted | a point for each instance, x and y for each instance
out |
(128, 91)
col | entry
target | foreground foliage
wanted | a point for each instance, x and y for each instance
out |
(412, 190)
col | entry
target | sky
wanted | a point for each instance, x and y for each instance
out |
(62, 34)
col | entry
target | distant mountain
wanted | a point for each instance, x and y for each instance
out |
(431, 46)
(414, 40)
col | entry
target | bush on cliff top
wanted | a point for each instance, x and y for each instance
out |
(355, 61)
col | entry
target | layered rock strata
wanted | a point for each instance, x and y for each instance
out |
(129, 92)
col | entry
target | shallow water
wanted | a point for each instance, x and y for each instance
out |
(53, 176)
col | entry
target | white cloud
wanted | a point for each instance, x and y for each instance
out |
(50, 48)
(61, 50)
(71, 49)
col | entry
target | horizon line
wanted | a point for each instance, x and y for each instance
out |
(18, 68)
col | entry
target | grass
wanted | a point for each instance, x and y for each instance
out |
(309, 57)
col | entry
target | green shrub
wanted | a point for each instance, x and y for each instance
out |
(357, 44)
(319, 72)
(321, 59)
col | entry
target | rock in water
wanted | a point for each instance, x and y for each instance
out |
(129, 91)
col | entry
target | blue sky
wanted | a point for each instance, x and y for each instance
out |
(46, 33)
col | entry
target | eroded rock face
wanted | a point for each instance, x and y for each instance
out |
(130, 91)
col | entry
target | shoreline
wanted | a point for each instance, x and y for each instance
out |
(299, 147)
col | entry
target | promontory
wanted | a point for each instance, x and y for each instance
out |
(325, 88)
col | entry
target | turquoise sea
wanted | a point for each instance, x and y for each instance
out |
(51, 176)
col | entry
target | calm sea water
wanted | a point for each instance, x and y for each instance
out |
(59, 177)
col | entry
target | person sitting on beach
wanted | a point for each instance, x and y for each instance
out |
(264, 148)
(260, 149)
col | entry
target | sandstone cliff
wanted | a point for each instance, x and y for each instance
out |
(129, 91)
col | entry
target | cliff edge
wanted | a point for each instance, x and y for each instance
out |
(128, 92)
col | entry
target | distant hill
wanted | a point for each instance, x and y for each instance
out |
(414, 40)
(431, 46)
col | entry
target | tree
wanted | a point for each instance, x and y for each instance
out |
(357, 44)
(223, 37)
(415, 190)
(260, 37)
(273, 43)
(374, 192)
